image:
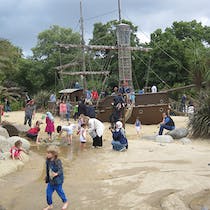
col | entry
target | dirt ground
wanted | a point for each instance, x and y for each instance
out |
(149, 176)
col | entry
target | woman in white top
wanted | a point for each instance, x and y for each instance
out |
(96, 130)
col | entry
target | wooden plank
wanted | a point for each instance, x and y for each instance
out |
(67, 65)
(86, 73)
(104, 47)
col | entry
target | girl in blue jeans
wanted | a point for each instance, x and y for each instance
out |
(54, 177)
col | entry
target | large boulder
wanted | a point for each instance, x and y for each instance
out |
(14, 129)
(26, 143)
(5, 145)
(178, 133)
(164, 139)
(3, 132)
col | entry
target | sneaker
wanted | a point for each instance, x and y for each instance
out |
(123, 149)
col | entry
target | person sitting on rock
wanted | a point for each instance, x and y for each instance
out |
(119, 142)
(167, 123)
(16, 150)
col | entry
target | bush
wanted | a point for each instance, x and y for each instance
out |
(16, 105)
(41, 99)
(200, 123)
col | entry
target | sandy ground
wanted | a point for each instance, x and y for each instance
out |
(149, 176)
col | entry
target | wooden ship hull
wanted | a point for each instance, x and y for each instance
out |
(148, 107)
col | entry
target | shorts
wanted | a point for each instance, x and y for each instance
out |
(137, 128)
(70, 132)
(83, 142)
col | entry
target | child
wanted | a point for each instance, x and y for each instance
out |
(33, 133)
(63, 110)
(49, 125)
(16, 150)
(138, 126)
(54, 177)
(69, 131)
(83, 136)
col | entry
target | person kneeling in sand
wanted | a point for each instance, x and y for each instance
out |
(69, 131)
(16, 150)
(54, 177)
(119, 142)
(33, 133)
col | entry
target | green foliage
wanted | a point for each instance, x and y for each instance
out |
(178, 55)
(200, 123)
(16, 105)
(41, 99)
(9, 58)
(47, 55)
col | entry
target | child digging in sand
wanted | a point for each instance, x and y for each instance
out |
(69, 131)
(54, 177)
(16, 150)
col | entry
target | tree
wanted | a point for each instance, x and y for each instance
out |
(172, 53)
(48, 55)
(9, 58)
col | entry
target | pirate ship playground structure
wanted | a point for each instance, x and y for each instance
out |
(148, 106)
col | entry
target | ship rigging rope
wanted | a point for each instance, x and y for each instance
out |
(179, 64)
(153, 71)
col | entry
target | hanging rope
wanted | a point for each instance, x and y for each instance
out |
(150, 69)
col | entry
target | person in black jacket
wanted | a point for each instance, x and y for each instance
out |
(167, 123)
(54, 177)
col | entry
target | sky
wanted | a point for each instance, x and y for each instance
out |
(22, 20)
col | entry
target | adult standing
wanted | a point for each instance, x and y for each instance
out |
(95, 95)
(63, 110)
(7, 105)
(81, 108)
(96, 130)
(167, 123)
(68, 110)
(29, 112)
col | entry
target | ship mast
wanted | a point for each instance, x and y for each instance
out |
(119, 11)
(83, 77)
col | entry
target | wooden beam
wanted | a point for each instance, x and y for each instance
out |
(67, 65)
(103, 47)
(85, 73)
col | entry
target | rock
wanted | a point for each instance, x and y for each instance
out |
(26, 143)
(5, 145)
(22, 129)
(150, 138)
(3, 132)
(178, 133)
(185, 141)
(2, 208)
(164, 139)
(15, 129)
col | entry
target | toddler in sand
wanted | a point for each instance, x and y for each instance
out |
(16, 150)
(138, 126)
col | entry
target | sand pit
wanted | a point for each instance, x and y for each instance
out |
(149, 176)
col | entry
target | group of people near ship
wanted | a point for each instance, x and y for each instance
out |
(85, 125)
